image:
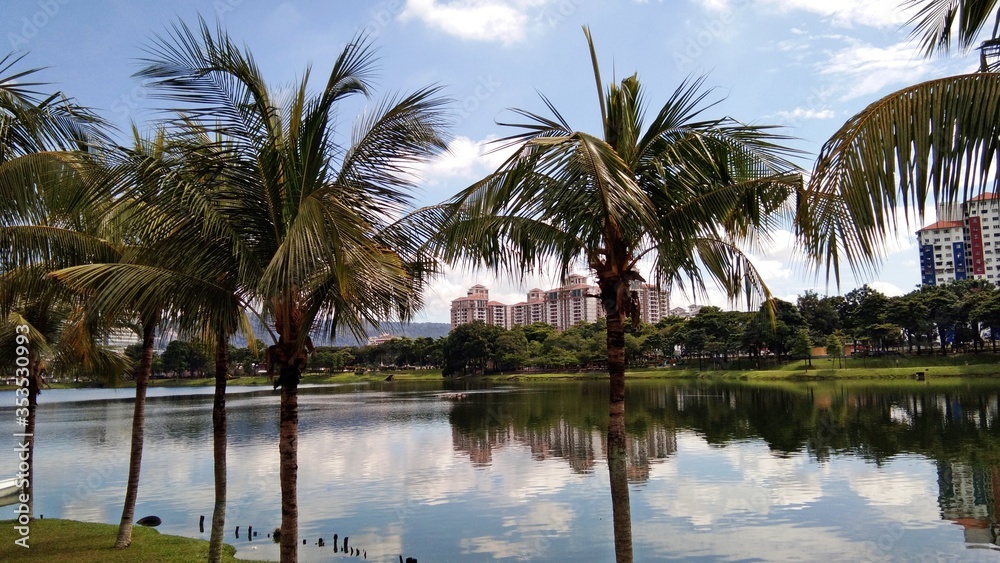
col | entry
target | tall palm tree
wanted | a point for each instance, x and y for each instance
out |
(46, 221)
(312, 217)
(684, 194)
(935, 141)
(175, 273)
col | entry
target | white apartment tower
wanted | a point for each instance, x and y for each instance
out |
(653, 303)
(562, 307)
(476, 306)
(963, 244)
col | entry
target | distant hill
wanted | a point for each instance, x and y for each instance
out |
(409, 330)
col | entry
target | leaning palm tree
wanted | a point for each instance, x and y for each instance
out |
(684, 194)
(938, 141)
(186, 269)
(312, 218)
(175, 273)
(47, 220)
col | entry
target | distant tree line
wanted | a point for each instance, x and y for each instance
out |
(958, 317)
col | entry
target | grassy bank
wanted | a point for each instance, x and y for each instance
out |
(264, 381)
(56, 541)
(903, 367)
(821, 369)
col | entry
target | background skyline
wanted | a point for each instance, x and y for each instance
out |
(802, 65)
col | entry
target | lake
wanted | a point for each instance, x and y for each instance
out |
(833, 471)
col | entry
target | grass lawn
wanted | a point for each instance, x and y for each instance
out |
(263, 381)
(903, 367)
(57, 541)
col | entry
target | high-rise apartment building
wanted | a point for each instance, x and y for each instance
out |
(963, 244)
(561, 307)
(476, 306)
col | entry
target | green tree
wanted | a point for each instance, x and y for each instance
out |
(801, 345)
(472, 348)
(682, 193)
(987, 312)
(774, 328)
(820, 314)
(512, 350)
(910, 313)
(834, 346)
(861, 310)
(310, 220)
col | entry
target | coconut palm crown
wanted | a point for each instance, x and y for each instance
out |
(685, 195)
(309, 218)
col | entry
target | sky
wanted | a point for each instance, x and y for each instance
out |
(804, 65)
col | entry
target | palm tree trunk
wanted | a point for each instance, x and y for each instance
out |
(616, 362)
(621, 511)
(620, 506)
(138, 421)
(34, 388)
(219, 447)
(288, 470)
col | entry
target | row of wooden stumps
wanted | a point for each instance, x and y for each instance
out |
(276, 537)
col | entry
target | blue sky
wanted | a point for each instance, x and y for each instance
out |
(801, 64)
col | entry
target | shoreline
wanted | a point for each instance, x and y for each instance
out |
(790, 373)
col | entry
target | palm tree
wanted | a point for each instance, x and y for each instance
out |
(311, 219)
(937, 22)
(177, 273)
(935, 141)
(684, 194)
(46, 221)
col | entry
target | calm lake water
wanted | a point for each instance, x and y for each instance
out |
(830, 471)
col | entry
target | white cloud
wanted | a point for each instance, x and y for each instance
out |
(801, 113)
(873, 13)
(486, 20)
(870, 69)
(465, 159)
(845, 13)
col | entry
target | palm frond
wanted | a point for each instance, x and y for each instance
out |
(935, 142)
(939, 23)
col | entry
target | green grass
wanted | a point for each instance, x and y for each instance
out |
(57, 541)
(903, 367)
(264, 381)
(821, 369)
